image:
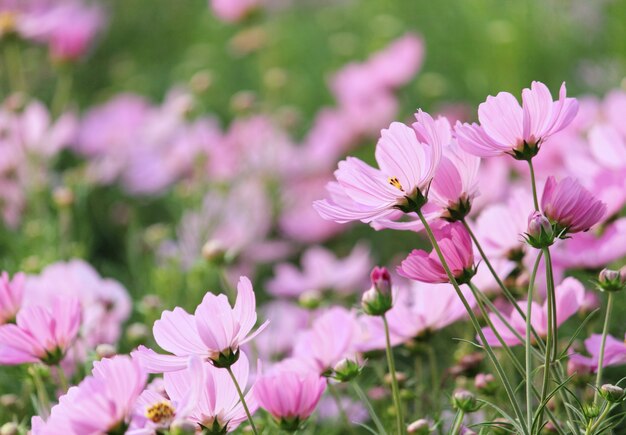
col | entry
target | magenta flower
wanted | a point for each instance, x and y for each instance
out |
(11, 295)
(508, 128)
(456, 246)
(232, 11)
(289, 396)
(614, 352)
(570, 206)
(570, 297)
(101, 403)
(41, 333)
(214, 332)
(407, 157)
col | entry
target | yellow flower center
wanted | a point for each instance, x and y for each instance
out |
(395, 183)
(160, 412)
(7, 22)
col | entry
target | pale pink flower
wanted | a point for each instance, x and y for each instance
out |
(614, 352)
(419, 309)
(332, 337)
(508, 128)
(41, 333)
(289, 396)
(571, 206)
(407, 157)
(214, 332)
(287, 321)
(68, 28)
(101, 403)
(232, 11)
(218, 402)
(456, 246)
(11, 296)
(39, 135)
(104, 302)
(570, 297)
(322, 271)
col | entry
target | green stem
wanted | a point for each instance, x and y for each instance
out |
(394, 381)
(507, 293)
(551, 336)
(62, 378)
(14, 67)
(528, 344)
(243, 399)
(62, 91)
(363, 397)
(342, 412)
(474, 320)
(42, 394)
(605, 331)
(458, 421)
(434, 374)
(533, 184)
(591, 428)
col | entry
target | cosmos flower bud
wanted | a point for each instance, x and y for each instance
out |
(377, 300)
(10, 428)
(611, 280)
(381, 280)
(612, 393)
(105, 350)
(213, 251)
(485, 383)
(346, 370)
(419, 427)
(539, 234)
(310, 299)
(465, 401)
(591, 411)
(63, 197)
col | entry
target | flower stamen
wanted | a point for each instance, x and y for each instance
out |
(395, 183)
(160, 412)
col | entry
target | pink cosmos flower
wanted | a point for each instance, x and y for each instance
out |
(322, 271)
(572, 207)
(41, 333)
(39, 135)
(407, 157)
(456, 246)
(332, 337)
(418, 310)
(11, 295)
(289, 396)
(67, 27)
(614, 352)
(104, 302)
(218, 404)
(288, 320)
(570, 297)
(101, 403)
(508, 128)
(214, 332)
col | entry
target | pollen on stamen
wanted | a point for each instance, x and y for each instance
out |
(395, 183)
(160, 412)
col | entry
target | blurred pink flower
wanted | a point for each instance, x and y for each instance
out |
(456, 246)
(289, 396)
(39, 135)
(232, 11)
(42, 333)
(322, 271)
(11, 296)
(614, 352)
(508, 128)
(570, 297)
(214, 332)
(68, 28)
(105, 303)
(287, 321)
(418, 310)
(101, 403)
(332, 337)
(571, 206)
(408, 158)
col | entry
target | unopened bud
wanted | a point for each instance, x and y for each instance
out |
(10, 428)
(105, 350)
(63, 197)
(9, 401)
(485, 383)
(183, 427)
(377, 300)
(591, 411)
(419, 427)
(310, 299)
(381, 280)
(346, 370)
(612, 393)
(539, 233)
(400, 377)
(213, 251)
(465, 401)
(612, 280)
(137, 333)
